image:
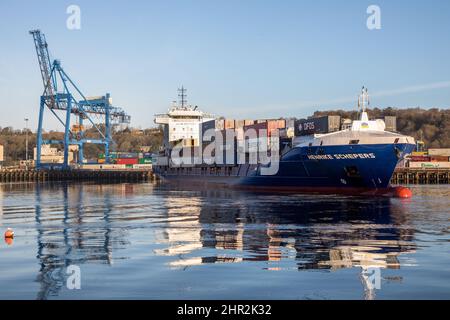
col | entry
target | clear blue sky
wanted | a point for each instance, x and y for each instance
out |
(241, 59)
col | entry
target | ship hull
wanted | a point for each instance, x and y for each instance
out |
(343, 169)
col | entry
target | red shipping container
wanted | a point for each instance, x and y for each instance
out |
(258, 127)
(127, 161)
(420, 159)
(439, 159)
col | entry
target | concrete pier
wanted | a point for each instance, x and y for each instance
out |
(421, 176)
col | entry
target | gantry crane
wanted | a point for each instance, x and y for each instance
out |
(65, 101)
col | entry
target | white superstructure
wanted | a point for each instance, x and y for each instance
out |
(182, 121)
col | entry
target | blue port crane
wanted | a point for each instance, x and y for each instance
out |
(63, 98)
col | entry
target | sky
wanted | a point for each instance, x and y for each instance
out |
(239, 59)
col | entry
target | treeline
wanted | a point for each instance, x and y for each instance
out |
(431, 126)
(129, 140)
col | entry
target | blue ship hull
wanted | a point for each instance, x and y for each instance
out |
(355, 169)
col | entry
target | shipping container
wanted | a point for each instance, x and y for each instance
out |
(229, 153)
(145, 161)
(205, 126)
(391, 123)
(438, 158)
(142, 166)
(229, 124)
(420, 159)
(128, 155)
(274, 125)
(439, 152)
(127, 161)
(290, 123)
(257, 127)
(320, 125)
(239, 133)
(239, 124)
(430, 165)
(416, 153)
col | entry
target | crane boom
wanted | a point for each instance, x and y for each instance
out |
(44, 63)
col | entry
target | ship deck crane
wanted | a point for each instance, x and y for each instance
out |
(63, 98)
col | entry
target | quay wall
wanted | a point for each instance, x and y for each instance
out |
(23, 175)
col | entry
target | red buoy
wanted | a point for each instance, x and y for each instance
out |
(403, 193)
(9, 234)
(9, 241)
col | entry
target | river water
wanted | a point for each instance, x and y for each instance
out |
(151, 241)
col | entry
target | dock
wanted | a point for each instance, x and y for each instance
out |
(400, 176)
(126, 175)
(421, 176)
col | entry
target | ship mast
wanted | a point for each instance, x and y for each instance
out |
(182, 95)
(363, 103)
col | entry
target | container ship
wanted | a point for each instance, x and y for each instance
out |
(317, 155)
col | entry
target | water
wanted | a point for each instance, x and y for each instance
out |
(146, 241)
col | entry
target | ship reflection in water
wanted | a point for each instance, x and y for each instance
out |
(329, 234)
(151, 230)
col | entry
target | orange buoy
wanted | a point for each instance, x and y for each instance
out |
(9, 234)
(9, 241)
(403, 192)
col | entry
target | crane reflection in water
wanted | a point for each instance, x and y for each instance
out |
(62, 239)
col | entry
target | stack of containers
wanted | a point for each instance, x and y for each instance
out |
(251, 144)
(319, 125)
(146, 158)
(127, 159)
(435, 158)
(229, 124)
(204, 127)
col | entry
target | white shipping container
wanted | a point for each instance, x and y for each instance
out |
(142, 166)
(439, 152)
(430, 165)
